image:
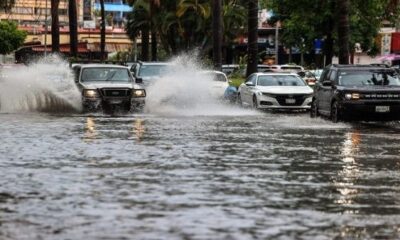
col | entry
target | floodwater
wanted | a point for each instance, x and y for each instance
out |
(207, 172)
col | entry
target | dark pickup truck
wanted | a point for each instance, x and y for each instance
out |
(107, 86)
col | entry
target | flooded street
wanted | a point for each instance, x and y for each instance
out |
(244, 175)
(191, 168)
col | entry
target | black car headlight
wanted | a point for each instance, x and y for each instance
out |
(90, 93)
(138, 93)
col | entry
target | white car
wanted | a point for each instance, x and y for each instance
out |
(219, 84)
(275, 91)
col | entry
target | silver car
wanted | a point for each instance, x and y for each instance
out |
(275, 91)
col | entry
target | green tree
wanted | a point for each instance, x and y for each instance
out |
(10, 37)
(185, 24)
(315, 19)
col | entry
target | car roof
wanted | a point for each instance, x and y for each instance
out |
(275, 74)
(155, 63)
(360, 66)
(99, 65)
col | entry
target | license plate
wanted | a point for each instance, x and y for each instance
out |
(382, 109)
(290, 100)
(115, 101)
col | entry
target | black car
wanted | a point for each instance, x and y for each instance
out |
(357, 92)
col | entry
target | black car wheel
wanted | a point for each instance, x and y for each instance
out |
(314, 109)
(255, 104)
(335, 113)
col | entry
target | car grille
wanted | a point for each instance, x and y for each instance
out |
(380, 96)
(116, 92)
(281, 98)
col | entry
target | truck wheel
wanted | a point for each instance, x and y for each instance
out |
(335, 113)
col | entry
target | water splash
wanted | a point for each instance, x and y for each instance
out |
(184, 91)
(45, 86)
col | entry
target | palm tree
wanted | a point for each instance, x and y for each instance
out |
(252, 59)
(343, 31)
(102, 31)
(217, 34)
(55, 28)
(73, 28)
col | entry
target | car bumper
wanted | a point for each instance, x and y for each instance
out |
(98, 103)
(374, 111)
(265, 102)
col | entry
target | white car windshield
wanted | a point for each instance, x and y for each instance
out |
(362, 78)
(152, 70)
(105, 74)
(218, 77)
(280, 80)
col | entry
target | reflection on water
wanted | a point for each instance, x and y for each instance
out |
(350, 171)
(139, 129)
(90, 129)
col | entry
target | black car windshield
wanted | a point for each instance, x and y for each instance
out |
(280, 80)
(152, 70)
(105, 74)
(368, 78)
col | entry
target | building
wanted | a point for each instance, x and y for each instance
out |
(116, 11)
(31, 16)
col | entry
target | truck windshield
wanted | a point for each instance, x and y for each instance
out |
(105, 74)
(368, 78)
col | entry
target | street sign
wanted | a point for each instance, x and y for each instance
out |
(318, 43)
(89, 24)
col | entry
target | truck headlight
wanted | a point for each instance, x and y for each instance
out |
(90, 93)
(352, 96)
(139, 93)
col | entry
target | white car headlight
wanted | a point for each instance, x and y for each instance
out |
(259, 93)
(353, 96)
(90, 93)
(139, 93)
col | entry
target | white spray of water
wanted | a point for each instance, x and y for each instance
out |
(46, 85)
(185, 91)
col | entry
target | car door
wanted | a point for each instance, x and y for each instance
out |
(327, 89)
(250, 86)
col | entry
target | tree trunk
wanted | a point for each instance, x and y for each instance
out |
(153, 46)
(252, 59)
(217, 34)
(55, 27)
(343, 31)
(102, 31)
(145, 44)
(73, 28)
